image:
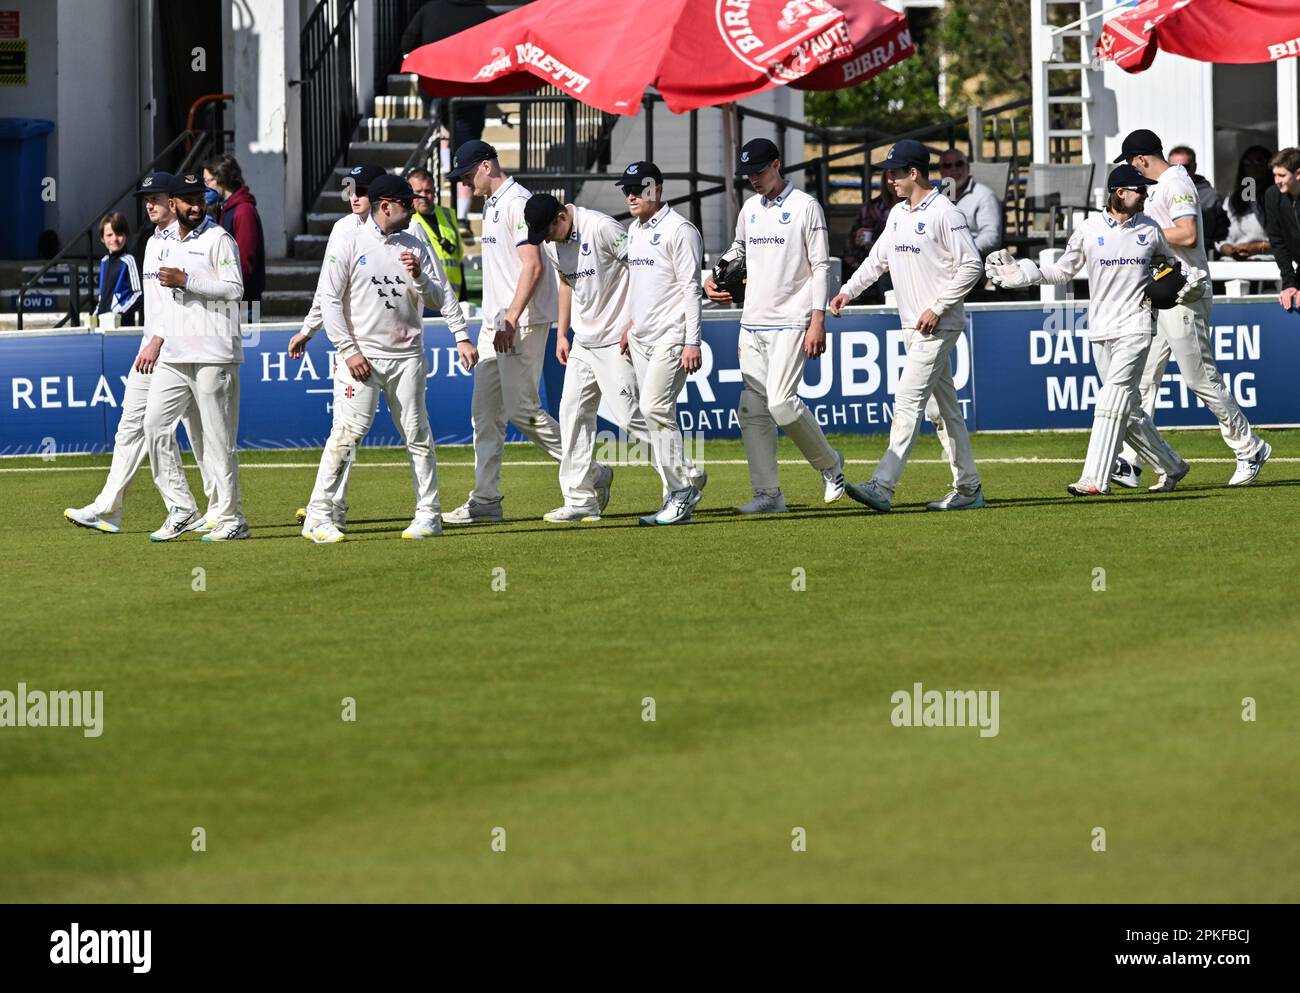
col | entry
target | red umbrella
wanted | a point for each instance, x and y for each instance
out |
(1205, 30)
(696, 53)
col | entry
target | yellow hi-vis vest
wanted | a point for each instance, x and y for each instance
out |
(453, 261)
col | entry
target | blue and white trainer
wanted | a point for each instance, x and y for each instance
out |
(178, 522)
(869, 494)
(1126, 474)
(228, 532)
(86, 517)
(957, 500)
(1248, 469)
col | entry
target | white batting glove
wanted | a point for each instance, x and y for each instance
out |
(996, 260)
(1198, 281)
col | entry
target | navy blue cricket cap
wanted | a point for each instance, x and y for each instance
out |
(1126, 177)
(468, 156)
(635, 176)
(362, 176)
(539, 211)
(756, 156)
(389, 187)
(1140, 142)
(155, 182)
(905, 154)
(186, 185)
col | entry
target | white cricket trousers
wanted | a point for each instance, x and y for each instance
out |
(771, 367)
(927, 372)
(402, 382)
(593, 374)
(1184, 333)
(213, 388)
(505, 390)
(660, 379)
(130, 450)
(1118, 415)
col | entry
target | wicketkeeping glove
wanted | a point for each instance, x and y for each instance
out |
(1198, 281)
(1005, 270)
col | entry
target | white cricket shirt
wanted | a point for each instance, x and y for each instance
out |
(664, 255)
(344, 227)
(593, 262)
(929, 253)
(504, 230)
(200, 321)
(787, 255)
(1174, 196)
(1118, 257)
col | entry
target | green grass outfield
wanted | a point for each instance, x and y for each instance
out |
(522, 709)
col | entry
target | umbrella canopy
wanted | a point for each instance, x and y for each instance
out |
(696, 53)
(1205, 30)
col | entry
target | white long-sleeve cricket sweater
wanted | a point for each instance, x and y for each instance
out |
(787, 257)
(664, 255)
(929, 252)
(371, 305)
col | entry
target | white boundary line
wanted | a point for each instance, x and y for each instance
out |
(1030, 460)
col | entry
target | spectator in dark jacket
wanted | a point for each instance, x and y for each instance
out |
(239, 216)
(1282, 221)
(119, 276)
(1214, 220)
(1247, 238)
(436, 20)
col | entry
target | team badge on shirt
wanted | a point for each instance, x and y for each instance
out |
(654, 238)
(920, 227)
(785, 217)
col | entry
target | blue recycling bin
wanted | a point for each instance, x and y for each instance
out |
(22, 173)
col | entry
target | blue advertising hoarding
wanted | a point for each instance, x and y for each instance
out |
(1017, 367)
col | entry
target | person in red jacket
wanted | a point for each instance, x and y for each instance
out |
(239, 216)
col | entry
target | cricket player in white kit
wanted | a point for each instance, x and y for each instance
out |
(519, 307)
(928, 251)
(357, 189)
(373, 292)
(1118, 246)
(198, 365)
(665, 252)
(781, 236)
(1184, 331)
(589, 252)
(129, 449)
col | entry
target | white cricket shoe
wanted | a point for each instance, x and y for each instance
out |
(322, 532)
(228, 532)
(423, 527)
(869, 494)
(340, 515)
(1086, 487)
(676, 509)
(603, 487)
(177, 523)
(765, 502)
(570, 515)
(1167, 483)
(209, 523)
(471, 512)
(1125, 473)
(957, 500)
(834, 480)
(86, 517)
(1248, 469)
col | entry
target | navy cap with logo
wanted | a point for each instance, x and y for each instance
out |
(155, 182)
(756, 156)
(539, 211)
(905, 154)
(1140, 142)
(389, 187)
(362, 176)
(639, 178)
(1126, 176)
(186, 185)
(468, 156)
